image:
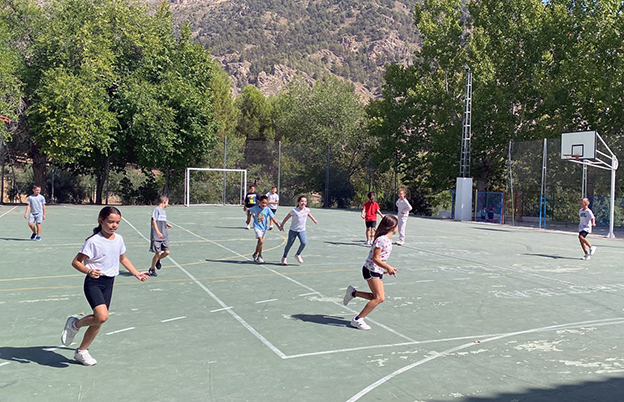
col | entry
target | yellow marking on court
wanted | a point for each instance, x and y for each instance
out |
(181, 280)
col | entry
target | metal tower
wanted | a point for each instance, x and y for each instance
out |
(464, 162)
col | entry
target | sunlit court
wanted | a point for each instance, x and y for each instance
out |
(477, 312)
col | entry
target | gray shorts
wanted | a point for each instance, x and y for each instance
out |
(35, 218)
(259, 233)
(158, 246)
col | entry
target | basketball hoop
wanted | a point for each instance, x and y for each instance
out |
(572, 156)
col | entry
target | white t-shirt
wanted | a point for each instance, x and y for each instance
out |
(385, 245)
(585, 218)
(273, 198)
(299, 218)
(36, 203)
(103, 254)
(403, 206)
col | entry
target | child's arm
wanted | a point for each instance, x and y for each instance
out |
(379, 212)
(142, 276)
(79, 265)
(363, 213)
(313, 220)
(390, 270)
(44, 209)
(285, 219)
(279, 226)
(156, 228)
(27, 210)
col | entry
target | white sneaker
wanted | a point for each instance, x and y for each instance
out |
(586, 257)
(284, 262)
(348, 295)
(69, 331)
(400, 243)
(248, 228)
(592, 250)
(83, 356)
(271, 227)
(299, 259)
(259, 260)
(360, 324)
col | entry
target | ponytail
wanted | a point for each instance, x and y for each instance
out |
(387, 225)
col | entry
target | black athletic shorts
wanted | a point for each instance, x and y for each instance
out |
(367, 274)
(583, 233)
(371, 224)
(99, 290)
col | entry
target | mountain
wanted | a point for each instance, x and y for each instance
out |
(267, 43)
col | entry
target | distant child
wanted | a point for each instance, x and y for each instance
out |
(297, 228)
(251, 200)
(273, 202)
(159, 237)
(261, 214)
(99, 259)
(36, 206)
(369, 214)
(373, 271)
(587, 221)
(403, 208)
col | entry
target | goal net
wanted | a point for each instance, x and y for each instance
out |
(207, 186)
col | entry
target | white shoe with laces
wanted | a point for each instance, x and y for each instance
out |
(586, 257)
(360, 324)
(83, 356)
(592, 250)
(299, 259)
(259, 260)
(69, 331)
(284, 262)
(348, 295)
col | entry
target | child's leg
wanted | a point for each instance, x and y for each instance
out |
(292, 235)
(259, 246)
(32, 227)
(584, 243)
(94, 322)
(38, 229)
(303, 240)
(377, 287)
(402, 224)
(248, 216)
(155, 260)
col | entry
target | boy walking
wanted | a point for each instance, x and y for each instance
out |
(159, 235)
(273, 202)
(35, 212)
(587, 220)
(261, 214)
(251, 200)
(369, 214)
(403, 208)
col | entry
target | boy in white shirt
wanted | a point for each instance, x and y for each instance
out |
(273, 202)
(586, 221)
(404, 208)
(35, 212)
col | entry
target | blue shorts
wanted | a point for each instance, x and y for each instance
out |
(367, 274)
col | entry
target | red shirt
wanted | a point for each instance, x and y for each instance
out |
(370, 211)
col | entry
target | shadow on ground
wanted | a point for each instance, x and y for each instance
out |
(36, 354)
(552, 256)
(322, 319)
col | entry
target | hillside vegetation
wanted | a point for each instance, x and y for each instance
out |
(268, 42)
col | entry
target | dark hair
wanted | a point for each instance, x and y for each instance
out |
(370, 195)
(300, 197)
(387, 225)
(263, 197)
(162, 198)
(104, 213)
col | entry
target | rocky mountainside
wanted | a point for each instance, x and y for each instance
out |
(268, 43)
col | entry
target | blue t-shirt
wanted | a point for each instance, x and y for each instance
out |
(261, 217)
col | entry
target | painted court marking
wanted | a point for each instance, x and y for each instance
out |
(7, 212)
(121, 330)
(4, 364)
(220, 309)
(265, 301)
(173, 319)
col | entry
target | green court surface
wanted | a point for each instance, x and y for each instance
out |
(477, 312)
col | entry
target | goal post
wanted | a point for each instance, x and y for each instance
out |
(214, 186)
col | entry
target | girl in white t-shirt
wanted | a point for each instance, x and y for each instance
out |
(99, 259)
(297, 228)
(373, 270)
(273, 202)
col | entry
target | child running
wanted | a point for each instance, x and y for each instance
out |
(36, 206)
(369, 214)
(297, 228)
(159, 236)
(251, 200)
(587, 221)
(261, 213)
(99, 259)
(403, 208)
(273, 203)
(373, 271)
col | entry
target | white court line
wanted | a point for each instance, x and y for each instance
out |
(7, 212)
(311, 293)
(614, 321)
(219, 301)
(425, 280)
(265, 301)
(220, 309)
(5, 363)
(121, 330)
(173, 319)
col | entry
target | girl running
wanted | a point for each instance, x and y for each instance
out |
(99, 259)
(297, 228)
(373, 270)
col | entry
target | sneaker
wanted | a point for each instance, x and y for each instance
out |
(400, 243)
(37, 238)
(271, 227)
(348, 295)
(284, 262)
(152, 272)
(255, 257)
(360, 324)
(586, 257)
(32, 236)
(69, 331)
(259, 260)
(299, 259)
(83, 356)
(248, 227)
(158, 264)
(592, 250)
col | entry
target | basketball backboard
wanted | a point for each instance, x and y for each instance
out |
(579, 146)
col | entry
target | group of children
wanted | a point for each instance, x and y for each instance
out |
(104, 250)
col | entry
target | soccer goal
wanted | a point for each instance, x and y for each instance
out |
(208, 186)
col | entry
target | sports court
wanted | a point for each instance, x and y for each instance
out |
(478, 312)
